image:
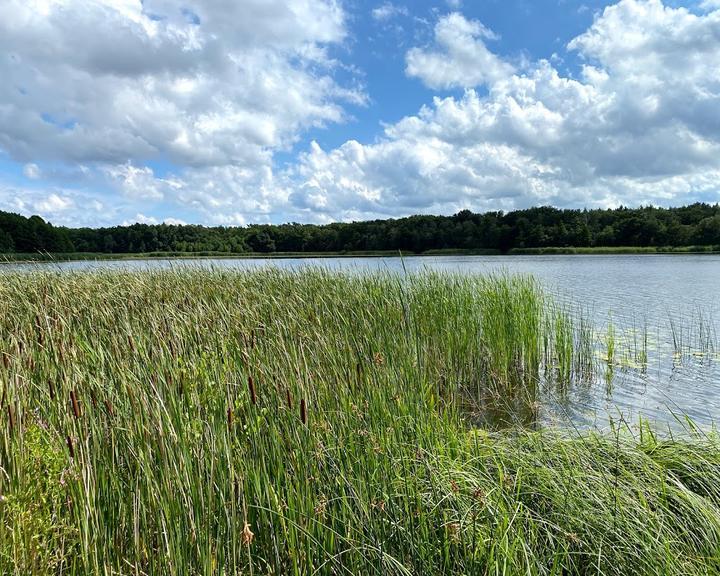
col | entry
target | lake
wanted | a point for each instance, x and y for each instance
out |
(664, 305)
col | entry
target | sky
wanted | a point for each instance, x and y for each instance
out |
(230, 112)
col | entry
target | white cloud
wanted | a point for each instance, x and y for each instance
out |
(197, 83)
(97, 95)
(141, 183)
(140, 219)
(102, 88)
(460, 57)
(642, 125)
(58, 205)
(174, 221)
(136, 182)
(31, 171)
(387, 11)
(54, 203)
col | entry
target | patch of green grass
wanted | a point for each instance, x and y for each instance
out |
(268, 422)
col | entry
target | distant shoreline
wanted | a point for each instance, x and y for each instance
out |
(547, 251)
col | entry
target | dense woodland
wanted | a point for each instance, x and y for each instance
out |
(697, 224)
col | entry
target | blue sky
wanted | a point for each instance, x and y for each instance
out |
(237, 111)
(526, 29)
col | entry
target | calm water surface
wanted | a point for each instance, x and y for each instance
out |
(675, 299)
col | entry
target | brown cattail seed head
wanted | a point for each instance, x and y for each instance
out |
(11, 418)
(75, 404)
(70, 447)
(251, 387)
(303, 411)
(40, 336)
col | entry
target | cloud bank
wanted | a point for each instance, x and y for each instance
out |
(640, 125)
(107, 94)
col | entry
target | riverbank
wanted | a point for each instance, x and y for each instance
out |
(567, 250)
(197, 422)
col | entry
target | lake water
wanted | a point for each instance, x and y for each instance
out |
(675, 299)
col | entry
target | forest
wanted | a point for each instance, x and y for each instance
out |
(535, 228)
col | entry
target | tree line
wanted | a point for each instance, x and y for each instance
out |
(696, 224)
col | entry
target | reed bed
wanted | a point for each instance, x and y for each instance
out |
(206, 422)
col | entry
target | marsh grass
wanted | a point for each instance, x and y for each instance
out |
(268, 422)
(694, 336)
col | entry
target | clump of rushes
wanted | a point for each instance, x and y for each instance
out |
(387, 477)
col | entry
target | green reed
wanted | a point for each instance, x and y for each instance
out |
(268, 422)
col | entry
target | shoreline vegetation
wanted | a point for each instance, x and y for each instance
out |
(538, 230)
(546, 251)
(194, 422)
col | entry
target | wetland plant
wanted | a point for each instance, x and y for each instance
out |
(210, 422)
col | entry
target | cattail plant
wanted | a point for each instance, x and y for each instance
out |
(396, 475)
(251, 388)
(75, 404)
(11, 417)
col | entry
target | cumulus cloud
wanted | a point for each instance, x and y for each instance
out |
(60, 206)
(201, 84)
(459, 58)
(54, 203)
(140, 219)
(174, 221)
(140, 183)
(641, 125)
(108, 90)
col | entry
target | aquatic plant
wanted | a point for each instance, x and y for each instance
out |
(267, 422)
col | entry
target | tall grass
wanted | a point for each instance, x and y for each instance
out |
(268, 422)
